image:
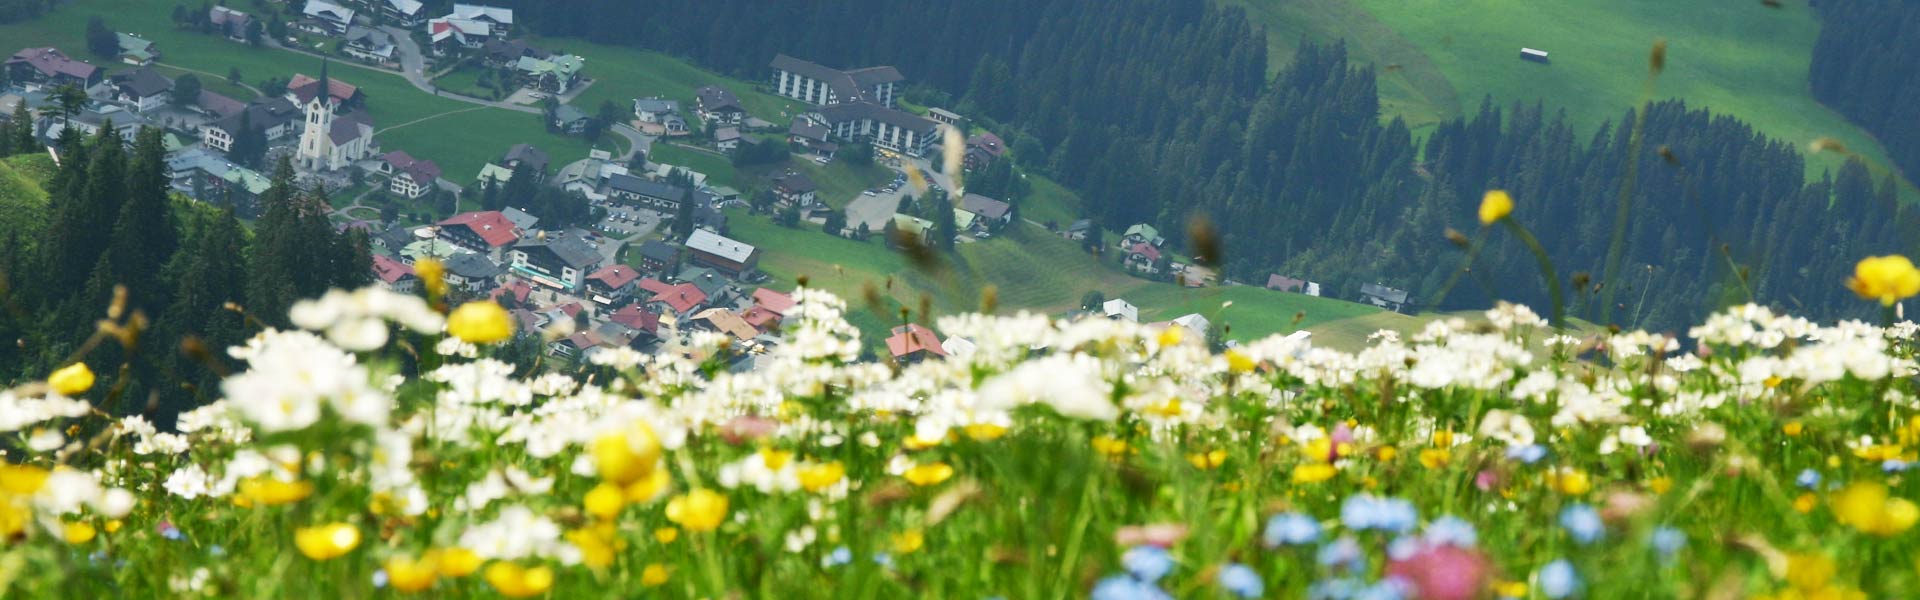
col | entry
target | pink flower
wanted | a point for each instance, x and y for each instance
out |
(1164, 535)
(1443, 573)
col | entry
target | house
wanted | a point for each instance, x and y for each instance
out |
(1194, 323)
(729, 256)
(717, 105)
(274, 117)
(534, 159)
(726, 321)
(404, 13)
(574, 345)
(769, 307)
(217, 106)
(883, 127)
(1141, 233)
(520, 219)
(142, 89)
(656, 255)
(1079, 230)
(726, 139)
(302, 89)
(612, 283)
(811, 136)
(819, 85)
(982, 150)
(446, 34)
(393, 274)
(369, 44)
(913, 343)
(487, 232)
(948, 118)
(920, 229)
(209, 177)
(992, 214)
(554, 75)
(645, 193)
(795, 189)
(1143, 257)
(518, 290)
(654, 110)
(494, 174)
(38, 68)
(1121, 310)
(1539, 56)
(90, 122)
(411, 177)
(473, 272)
(637, 319)
(507, 53)
(136, 50)
(1383, 296)
(1281, 283)
(500, 20)
(571, 120)
(326, 18)
(561, 263)
(230, 22)
(680, 300)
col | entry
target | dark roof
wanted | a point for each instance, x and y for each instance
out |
(806, 128)
(534, 158)
(264, 114)
(395, 237)
(568, 113)
(422, 171)
(1081, 225)
(513, 50)
(872, 76)
(854, 111)
(576, 252)
(989, 142)
(713, 98)
(795, 183)
(50, 61)
(473, 266)
(347, 127)
(850, 86)
(651, 189)
(304, 88)
(1384, 293)
(219, 105)
(658, 250)
(984, 206)
(142, 82)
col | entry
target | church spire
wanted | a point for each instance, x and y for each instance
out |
(325, 93)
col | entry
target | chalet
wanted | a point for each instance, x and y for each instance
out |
(404, 13)
(325, 18)
(494, 174)
(990, 214)
(446, 34)
(571, 120)
(811, 136)
(819, 85)
(913, 343)
(1120, 310)
(726, 255)
(656, 256)
(274, 118)
(47, 68)
(1142, 233)
(507, 53)
(215, 105)
(90, 122)
(208, 177)
(1194, 323)
(908, 225)
(717, 105)
(500, 20)
(1539, 56)
(393, 274)
(369, 44)
(637, 320)
(526, 155)
(555, 75)
(878, 125)
(1079, 230)
(612, 284)
(722, 320)
(1143, 257)
(654, 110)
(486, 232)
(982, 150)
(644, 193)
(575, 345)
(142, 89)
(473, 272)
(680, 300)
(518, 290)
(1383, 296)
(561, 263)
(230, 22)
(726, 139)
(410, 177)
(769, 307)
(795, 189)
(136, 50)
(719, 290)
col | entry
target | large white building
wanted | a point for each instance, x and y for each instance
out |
(332, 141)
(815, 84)
(883, 127)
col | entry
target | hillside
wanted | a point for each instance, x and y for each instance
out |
(23, 203)
(1747, 60)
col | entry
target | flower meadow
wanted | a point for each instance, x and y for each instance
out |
(376, 450)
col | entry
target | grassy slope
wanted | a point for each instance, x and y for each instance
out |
(461, 142)
(1411, 86)
(23, 202)
(1740, 59)
(622, 74)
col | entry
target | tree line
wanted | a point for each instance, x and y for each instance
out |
(1863, 67)
(189, 268)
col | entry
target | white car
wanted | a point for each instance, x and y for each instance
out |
(867, 193)
(823, 160)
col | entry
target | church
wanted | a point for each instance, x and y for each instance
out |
(337, 131)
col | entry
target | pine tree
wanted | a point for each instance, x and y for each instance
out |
(23, 141)
(144, 235)
(944, 228)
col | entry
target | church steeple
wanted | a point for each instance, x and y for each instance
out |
(325, 93)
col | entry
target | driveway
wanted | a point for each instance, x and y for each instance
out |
(874, 210)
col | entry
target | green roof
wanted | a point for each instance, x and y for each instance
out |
(495, 172)
(912, 223)
(1145, 231)
(565, 65)
(253, 181)
(962, 219)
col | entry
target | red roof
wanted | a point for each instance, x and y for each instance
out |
(912, 338)
(760, 318)
(682, 298)
(304, 88)
(615, 276)
(390, 270)
(989, 142)
(571, 308)
(49, 61)
(774, 301)
(490, 225)
(655, 286)
(519, 288)
(1147, 250)
(422, 171)
(634, 317)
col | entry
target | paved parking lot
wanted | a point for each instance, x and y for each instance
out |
(874, 210)
(626, 222)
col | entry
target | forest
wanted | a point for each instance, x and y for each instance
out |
(1161, 109)
(1864, 67)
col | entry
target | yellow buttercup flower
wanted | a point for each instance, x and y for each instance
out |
(1793, 429)
(1387, 453)
(1809, 571)
(1170, 336)
(775, 459)
(1313, 473)
(453, 562)
(1434, 458)
(929, 474)
(651, 487)
(267, 491)
(627, 455)
(698, 510)
(596, 550)
(515, 581)
(1110, 446)
(1510, 589)
(71, 380)
(605, 501)
(326, 542)
(1866, 506)
(1571, 482)
(1887, 278)
(985, 431)
(408, 575)
(1805, 503)
(909, 541)
(22, 480)
(817, 477)
(916, 443)
(655, 574)
(1494, 206)
(1207, 460)
(666, 535)
(482, 322)
(1239, 362)
(433, 275)
(78, 532)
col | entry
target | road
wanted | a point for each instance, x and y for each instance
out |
(412, 64)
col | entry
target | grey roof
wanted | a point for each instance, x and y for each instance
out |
(1384, 293)
(534, 158)
(264, 114)
(717, 245)
(714, 98)
(806, 128)
(142, 82)
(854, 111)
(576, 252)
(512, 50)
(473, 266)
(395, 237)
(850, 86)
(658, 250)
(368, 36)
(520, 219)
(726, 133)
(797, 183)
(709, 282)
(220, 105)
(655, 105)
(328, 10)
(567, 113)
(1081, 225)
(651, 189)
(984, 206)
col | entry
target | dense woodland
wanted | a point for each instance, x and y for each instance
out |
(1159, 109)
(111, 221)
(1866, 65)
